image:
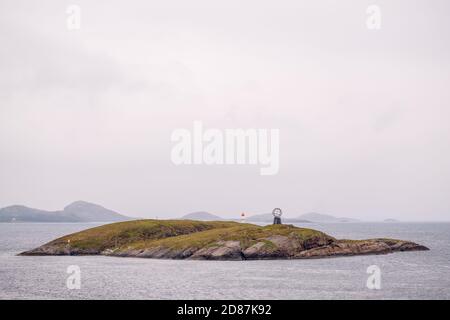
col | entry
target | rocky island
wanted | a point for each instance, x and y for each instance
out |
(215, 240)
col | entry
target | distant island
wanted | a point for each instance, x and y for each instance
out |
(201, 216)
(218, 240)
(304, 218)
(82, 211)
(268, 218)
(320, 217)
(78, 211)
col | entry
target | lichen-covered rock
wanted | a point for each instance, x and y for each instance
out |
(223, 250)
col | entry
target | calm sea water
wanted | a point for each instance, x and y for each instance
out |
(405, 275)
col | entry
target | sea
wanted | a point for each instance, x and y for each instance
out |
(402, 275)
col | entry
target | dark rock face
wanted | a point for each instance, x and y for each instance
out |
(363, 247)
(48, 250)
(224, 250)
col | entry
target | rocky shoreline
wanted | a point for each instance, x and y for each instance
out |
(172, 239)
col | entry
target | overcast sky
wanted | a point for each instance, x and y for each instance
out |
(363, 114)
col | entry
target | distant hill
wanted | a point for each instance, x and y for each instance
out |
(201, 216)
(319, 217)
(264, 217)
(390, 220)
(268, 217)
(19, 213)
(78, 211)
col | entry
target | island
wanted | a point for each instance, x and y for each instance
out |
(214, 240)
(201, 216)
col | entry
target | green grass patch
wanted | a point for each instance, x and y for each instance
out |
(180, 234)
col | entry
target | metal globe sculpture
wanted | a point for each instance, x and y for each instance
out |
(277, 215)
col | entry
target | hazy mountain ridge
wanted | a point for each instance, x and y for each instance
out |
(268, 217)
(320, 217)
(201, 216)
(78, 211)
(304, 218)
